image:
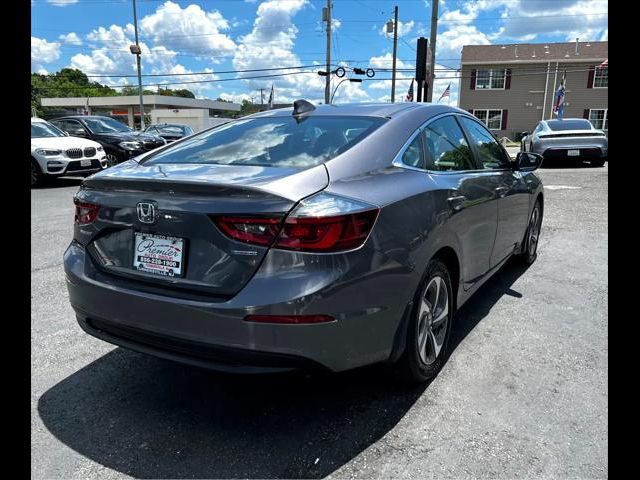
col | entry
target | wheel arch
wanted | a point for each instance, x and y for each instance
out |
(447, 255)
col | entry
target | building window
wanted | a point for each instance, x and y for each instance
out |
(491, 118)
(491, 79)
(599, 118)
(601, 78)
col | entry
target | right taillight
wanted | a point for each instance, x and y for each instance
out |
(321, 223)
(86, 213)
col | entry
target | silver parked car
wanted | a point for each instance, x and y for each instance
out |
(570, 138)
(329, 236)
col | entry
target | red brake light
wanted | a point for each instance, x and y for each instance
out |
(326, 234)
(321, 223)
(255, 230)
(86, 213)
(289, 319)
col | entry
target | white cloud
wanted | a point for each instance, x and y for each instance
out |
(61, 3)
(270, 44)
(386, 62)
(189, 29)
(42, 52)
(70, 39)
(450, 42)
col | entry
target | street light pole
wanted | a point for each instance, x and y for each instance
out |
(353, 80)
(137, 53)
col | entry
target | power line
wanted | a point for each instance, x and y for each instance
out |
(199, 73)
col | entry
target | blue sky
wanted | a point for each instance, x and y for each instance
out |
(208, 37)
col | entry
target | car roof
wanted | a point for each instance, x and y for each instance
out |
(386, 110)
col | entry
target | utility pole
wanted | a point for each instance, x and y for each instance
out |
(327, 88)
(137, 52)
(432, 50)
(395, 54)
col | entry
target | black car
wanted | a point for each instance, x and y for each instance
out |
(170, 132)
(118, 140)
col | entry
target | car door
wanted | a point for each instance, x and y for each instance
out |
(467, 193)
(510, 188)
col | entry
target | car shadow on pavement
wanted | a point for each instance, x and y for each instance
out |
(151, 418)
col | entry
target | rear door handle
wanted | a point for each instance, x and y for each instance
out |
(457, 203)
(501, 191)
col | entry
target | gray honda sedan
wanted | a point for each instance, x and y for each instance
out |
(326, 237)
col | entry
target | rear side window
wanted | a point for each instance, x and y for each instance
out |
(271, 142)
(447, 147)
(414, 153)
(560, 125)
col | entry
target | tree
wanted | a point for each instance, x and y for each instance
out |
(183, 92)
(68, 82)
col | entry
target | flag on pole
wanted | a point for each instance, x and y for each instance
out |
(558, 106)
(445, 93)
(409, 97)
(604, 64)
(270, 103)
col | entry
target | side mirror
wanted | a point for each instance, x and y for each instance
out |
(528, 162)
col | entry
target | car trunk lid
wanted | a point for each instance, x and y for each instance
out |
(185, 198)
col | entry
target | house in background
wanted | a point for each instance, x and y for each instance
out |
(512, 87)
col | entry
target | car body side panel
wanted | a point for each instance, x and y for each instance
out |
(513, 209)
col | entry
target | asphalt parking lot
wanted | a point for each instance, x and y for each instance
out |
(523, 395)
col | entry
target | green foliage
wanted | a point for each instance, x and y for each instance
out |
(68, 82)
(182, 92)
(71, 82)
(248, 108)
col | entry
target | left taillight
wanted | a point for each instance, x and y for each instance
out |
(86, 213)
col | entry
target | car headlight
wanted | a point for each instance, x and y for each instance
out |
(131, 145)
(100, 149)
(48, 153)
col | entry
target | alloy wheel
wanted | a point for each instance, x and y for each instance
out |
(534, 231)
(111, 160)
(433, 317)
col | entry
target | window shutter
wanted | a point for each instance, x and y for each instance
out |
(473, 79)
(507, 80)
(592, 72)
(585, 115)
(504, 119)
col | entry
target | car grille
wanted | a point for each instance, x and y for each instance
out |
(75, 166)
(89, 152)
(74, 153)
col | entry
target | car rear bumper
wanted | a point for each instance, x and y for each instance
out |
(214, 334)
(562, 153)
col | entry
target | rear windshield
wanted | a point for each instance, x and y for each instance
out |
(271, 142)
(560, 125)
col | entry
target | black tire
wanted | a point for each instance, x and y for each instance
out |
(37, 177)
(599, 162)
(529, 249)
(418, 365)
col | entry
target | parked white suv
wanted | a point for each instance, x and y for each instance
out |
(54, 153)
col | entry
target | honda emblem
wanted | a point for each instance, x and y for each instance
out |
(146, 212)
